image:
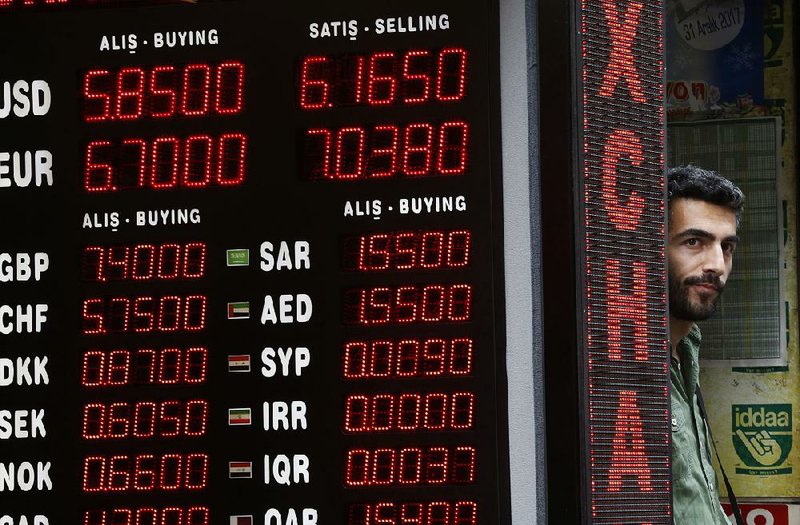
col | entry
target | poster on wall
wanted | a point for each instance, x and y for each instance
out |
(715, 58)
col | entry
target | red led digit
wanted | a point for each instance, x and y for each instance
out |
(98, 103)
(405, 251)
(416, 76)
(132, 171)
(197, 162)
(460, 303)
(163, 98)
(451, 74)
(169, 261)
(405, 304)
(381, 84)
(144, 419)
(462, 410)
(117, 259)
(194, 317)
(143, 315)
(231, 157)
(170, 418)
(92, 264)
(432, 249)
(130, 93)
(435, 416)
(143, 261)
(412, 514)
(355, 360)
(380, 362)
(408, 358)
(418, 149)
(166, 153)
(145, 366)
(384, 154)
(93, 370)
(452, 154)
(230, 88)
(349, 153)
(169, 308)
(458, 248)
(196, 87)
(382, 413)
(118, 369)
(374, 253)
(194, 260)
(434, 357)
(433, 303)
(170, 366)
(438, 513)
(93, 316)
(314, 92)
(461, 357)
(409, 412)
(464, 465)
(196, 418)
(98, 176)
(118, 420)
(411, 466)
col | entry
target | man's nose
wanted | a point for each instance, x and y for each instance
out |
(715, 259)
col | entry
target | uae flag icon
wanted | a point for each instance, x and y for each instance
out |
(240, 469)
(241, 520)
(239, 416)
(240, 310)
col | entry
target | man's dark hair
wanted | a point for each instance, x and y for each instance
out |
(691, 182)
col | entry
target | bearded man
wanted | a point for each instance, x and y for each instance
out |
(704, 215)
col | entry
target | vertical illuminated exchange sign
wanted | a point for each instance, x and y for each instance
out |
(250, 264)
(622, 247)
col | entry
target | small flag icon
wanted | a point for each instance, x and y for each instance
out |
(239, 310)
(240, 469)
(239, 363)
(238, 257)
(241, 520)
(239, 416)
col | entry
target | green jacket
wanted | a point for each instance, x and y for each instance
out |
(695, 498)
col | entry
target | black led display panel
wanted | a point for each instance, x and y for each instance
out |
(250, 268)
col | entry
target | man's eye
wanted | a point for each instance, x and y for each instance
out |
(692, 242)
(729, 247)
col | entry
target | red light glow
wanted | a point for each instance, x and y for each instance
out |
(148, 516)
(165, 163)
(166, 91)
(410, 466)
(145, 473)
(413, 250)
(435, 411)
(166, 366)
(387, 150)
(433, 303)
(145, 314)
(383, 359)
(144, 262)
(145, 419)
(383, 78)
(414, 513)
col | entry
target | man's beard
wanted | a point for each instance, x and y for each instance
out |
(681, 307)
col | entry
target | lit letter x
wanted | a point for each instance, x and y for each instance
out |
(621, 63)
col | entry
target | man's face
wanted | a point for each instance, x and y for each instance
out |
(702, 239)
